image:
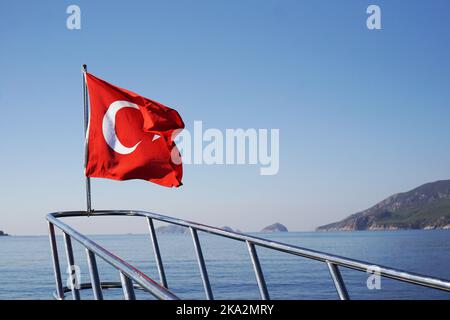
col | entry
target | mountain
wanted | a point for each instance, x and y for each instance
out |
(276, 227)
(425, 207)
(2, 233)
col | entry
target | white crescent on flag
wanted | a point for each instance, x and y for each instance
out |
(109, 124)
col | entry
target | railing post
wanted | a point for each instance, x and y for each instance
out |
(127, 287)
(93, 271)
(55, 258)
(338, 281)
(201, 265)
(258, 271)
(159, 264)
(71, 264)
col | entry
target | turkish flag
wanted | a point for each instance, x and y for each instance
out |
(131, 137)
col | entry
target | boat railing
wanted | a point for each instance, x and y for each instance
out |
(132, 278)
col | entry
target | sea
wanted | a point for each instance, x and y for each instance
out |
(26, 270)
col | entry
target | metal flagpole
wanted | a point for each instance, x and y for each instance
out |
(86, 127)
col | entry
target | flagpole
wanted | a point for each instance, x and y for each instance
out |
(86, 127)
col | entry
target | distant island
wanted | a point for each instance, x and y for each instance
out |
(276, 227)
(226, 228)
(172, 229)
(175, 229)
(425, 207)
(3, 234)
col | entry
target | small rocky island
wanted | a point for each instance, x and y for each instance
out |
(276, 227)
(425, 207)
(3, 234)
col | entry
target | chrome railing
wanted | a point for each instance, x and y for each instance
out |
(132, 278)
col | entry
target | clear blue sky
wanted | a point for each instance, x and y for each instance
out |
(362, 114)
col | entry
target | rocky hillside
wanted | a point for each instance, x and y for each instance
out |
(425, 207)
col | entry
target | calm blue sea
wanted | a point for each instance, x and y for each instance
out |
(26, 270)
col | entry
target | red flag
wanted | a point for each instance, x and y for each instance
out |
(131, 137)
